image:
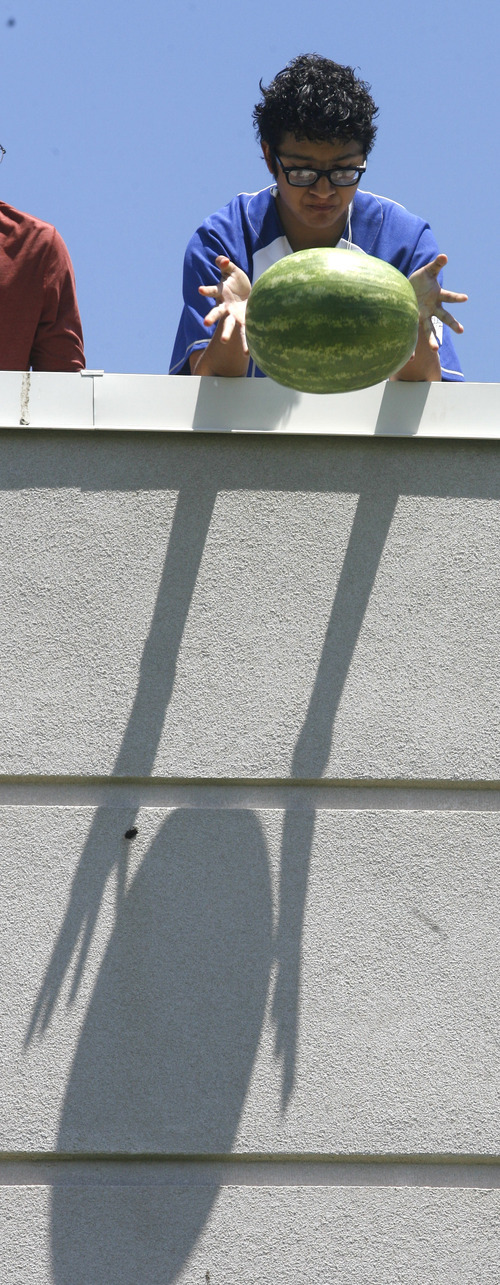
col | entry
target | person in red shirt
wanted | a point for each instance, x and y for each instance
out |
(40, 327)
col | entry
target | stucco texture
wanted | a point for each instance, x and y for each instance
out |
(253, 981)
(196, 606)
(121, 1235)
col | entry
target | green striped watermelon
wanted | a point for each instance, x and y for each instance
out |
(329, 321)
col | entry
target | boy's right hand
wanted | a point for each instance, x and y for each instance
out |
(230, 300)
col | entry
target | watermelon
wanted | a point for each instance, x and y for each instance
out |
(330, 321)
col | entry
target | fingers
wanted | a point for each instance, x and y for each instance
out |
(447, 319)
(225, 268)
(437, 264)
(224, 314)
(432, 269)
(450, 321)
(431, 304)
(227, 328)
(216, 314)
(449, 296)
(429, 332)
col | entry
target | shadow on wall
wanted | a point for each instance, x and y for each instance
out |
(186, 543)
(169, 1040)
(370, 528)
(172, 1031)
(262, 405)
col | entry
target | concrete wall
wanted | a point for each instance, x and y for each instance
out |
(258, 1040)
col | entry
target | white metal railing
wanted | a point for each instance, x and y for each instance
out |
(172, 403)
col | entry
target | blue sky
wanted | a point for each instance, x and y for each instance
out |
(127, 123)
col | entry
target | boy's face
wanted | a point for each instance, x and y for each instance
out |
(313, 215)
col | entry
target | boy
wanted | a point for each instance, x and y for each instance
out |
(315, 124)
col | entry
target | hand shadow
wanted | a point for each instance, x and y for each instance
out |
(372, 520)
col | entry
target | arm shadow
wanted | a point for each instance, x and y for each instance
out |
(369, 532)
(101, 853)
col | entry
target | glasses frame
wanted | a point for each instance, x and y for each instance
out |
(291, 169)
(2, 153)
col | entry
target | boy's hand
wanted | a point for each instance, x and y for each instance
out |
(230, 297)
(430, 298)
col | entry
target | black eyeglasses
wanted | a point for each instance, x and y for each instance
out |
(343, 176)
(2, 153)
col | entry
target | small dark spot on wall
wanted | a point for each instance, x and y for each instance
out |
(130, 834)
(431, 924)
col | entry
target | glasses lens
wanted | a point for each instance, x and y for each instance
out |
(302, 178)
(343, 178)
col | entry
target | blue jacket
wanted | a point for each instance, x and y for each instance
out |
(249, 231)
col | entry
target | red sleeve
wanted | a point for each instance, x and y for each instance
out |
(58, 341)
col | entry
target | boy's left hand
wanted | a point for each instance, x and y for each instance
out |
(431, 297)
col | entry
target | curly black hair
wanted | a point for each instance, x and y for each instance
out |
(317, 99)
